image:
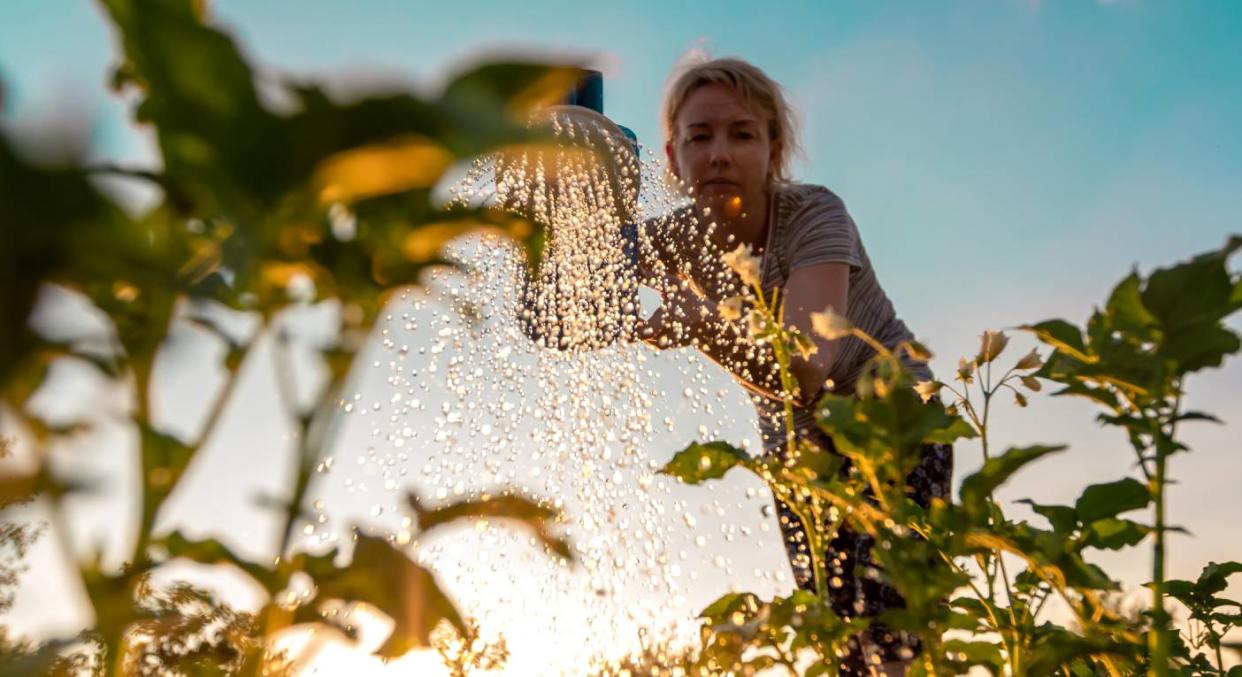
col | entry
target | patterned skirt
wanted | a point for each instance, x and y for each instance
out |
(855, 589)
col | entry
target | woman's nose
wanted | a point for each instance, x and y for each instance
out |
(718, 154)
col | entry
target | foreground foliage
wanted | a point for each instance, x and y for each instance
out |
(264, 208)
(261, 208)
(976, 582)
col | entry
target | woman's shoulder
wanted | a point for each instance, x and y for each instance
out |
(799, 197)
(815, 227)
(806, 208)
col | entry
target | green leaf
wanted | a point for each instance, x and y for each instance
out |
(720, 610)
(1125, 308)
(1111, 498)
(701, 462)
(1193, 292)
(976, 488)
(1064, 519)
(1213, 577)
(515, 509)
(964, 654)
(1112, 533)
(516, 86)
(1063, 336)
(1056, 646)
(1197, 416)
(1198, 347)
(212, 551)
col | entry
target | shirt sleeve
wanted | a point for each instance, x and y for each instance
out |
(821, 231)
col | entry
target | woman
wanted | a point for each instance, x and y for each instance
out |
(729, 137)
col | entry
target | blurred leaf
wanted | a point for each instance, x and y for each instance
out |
(1111, 498)
(385, 578)
(724, 606)
(212, 551)
(377, 169)
(517, 87)
(976, 488)
(918, 351)
(966, 654)
(1063, 518)
(1055, 647)
(1197, 416)
(1112, 533)
(1125, 308)
(701, 462)
(1166, 293)
(1063, 336)
(1199, 347)
(53, 222)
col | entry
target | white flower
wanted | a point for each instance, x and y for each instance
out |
(730, 309)
(744, 263)
(928, 389)
(830, 325)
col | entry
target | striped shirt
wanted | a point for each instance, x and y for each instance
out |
(808, 225)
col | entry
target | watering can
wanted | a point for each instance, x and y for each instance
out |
(615, 148)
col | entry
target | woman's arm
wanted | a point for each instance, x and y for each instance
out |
(688, 318)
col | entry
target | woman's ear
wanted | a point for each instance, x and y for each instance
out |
(672, 159)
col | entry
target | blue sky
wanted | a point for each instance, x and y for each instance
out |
(1034, 129)
(1006, 161)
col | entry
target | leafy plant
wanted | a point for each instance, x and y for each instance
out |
(1132, 357)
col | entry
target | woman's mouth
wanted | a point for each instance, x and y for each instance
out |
(718, 184)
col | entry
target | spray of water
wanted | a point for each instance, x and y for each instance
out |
(536, 379)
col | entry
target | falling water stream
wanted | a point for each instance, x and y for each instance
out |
(497, 377)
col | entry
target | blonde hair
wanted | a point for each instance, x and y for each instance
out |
(760, 92)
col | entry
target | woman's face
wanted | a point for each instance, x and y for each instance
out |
(721, 149)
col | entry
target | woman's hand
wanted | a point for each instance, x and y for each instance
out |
(682, 317)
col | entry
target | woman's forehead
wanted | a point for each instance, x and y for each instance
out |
(715, 104)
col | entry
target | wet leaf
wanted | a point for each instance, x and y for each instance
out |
(701, 462)
(516, 509)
